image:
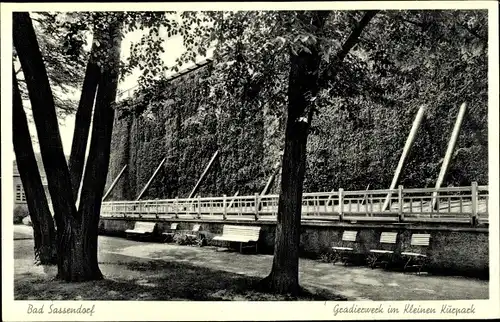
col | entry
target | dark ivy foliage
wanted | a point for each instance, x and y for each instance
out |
(405, 59)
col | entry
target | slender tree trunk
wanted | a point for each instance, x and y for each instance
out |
(284, 273)
(84, 238)
(83, 119)
(303, 84)
(125, 194)
(45, 117)
(41, 218)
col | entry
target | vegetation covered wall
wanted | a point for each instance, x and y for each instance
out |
(186, 130)
(356, 138)
(343, 152)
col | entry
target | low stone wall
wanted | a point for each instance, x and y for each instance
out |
(454, 249)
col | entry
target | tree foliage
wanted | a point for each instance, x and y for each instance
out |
(64, 61)
(296, 41)
(77, 225)
(404, 60)
(421, 58)
(362, 111)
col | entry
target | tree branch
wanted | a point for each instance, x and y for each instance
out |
(83, 119)
(416, 23)
(45, 117)
(474, 33)
(354, 36)
(349, 43)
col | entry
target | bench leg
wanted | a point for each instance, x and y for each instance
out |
(220, 244)
(418, 265)
(390, 260)
(419, 262)
(169, 237)
(373, 260)
(406, 265)
(346, 256)
(335, 257)
(241, 248)
(422, 264)
(420, 268)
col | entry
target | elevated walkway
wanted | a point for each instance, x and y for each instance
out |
(451, 205)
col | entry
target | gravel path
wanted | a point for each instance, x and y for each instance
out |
(352, 283)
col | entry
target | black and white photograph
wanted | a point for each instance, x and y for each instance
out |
(250, 161)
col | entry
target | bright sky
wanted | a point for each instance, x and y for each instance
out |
(173, 49)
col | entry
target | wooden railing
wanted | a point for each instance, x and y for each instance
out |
(453, 204)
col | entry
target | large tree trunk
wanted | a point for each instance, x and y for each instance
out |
(83, 119)
(84, 237)
(284, 273)
(45, 117)
(302, 86)
(41, 218)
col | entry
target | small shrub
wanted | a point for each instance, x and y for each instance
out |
(20, 212)
(27, 221)
(181, 239)
(326, 257)
(201, 241)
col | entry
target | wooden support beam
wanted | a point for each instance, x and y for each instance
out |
(232, 200)
(366, 194)
(406, 149)
(270, 181)
(449, 151)
(151, 179)
(329, 201)
(474, 203)
(114, 183)
(203, 174)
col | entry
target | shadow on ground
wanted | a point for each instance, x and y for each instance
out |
(151, 271)
(156, 280)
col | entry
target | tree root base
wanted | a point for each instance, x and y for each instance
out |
(79, 279)
(273, 285)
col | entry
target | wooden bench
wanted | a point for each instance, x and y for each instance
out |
(345, 250)
(417, 252)
(142, 228)
(382, 255)
(169, 235)
(194, 232)
(240, 234)
(194, 237)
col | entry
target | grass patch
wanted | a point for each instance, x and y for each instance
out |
(155, 280)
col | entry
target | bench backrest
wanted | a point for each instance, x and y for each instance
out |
(388, 238)
(349, 235)
(173, 226)
(145, 225)
(247, 231)
(420, 239)
(196, 228)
